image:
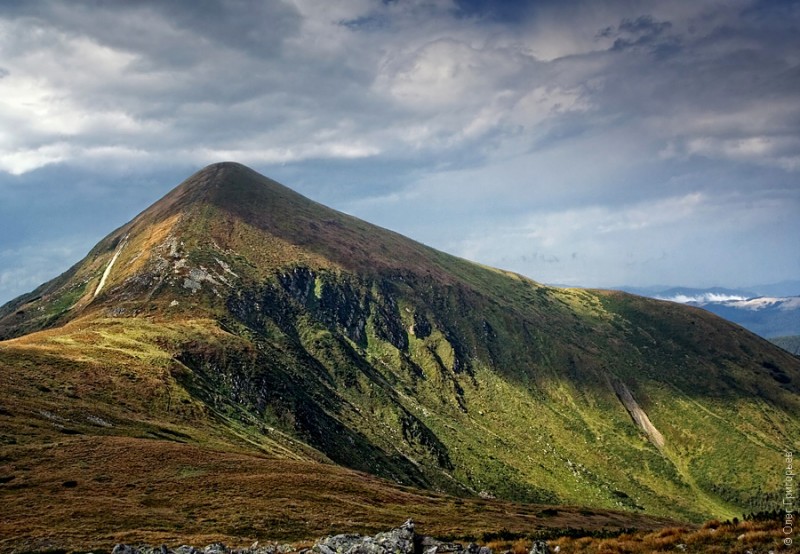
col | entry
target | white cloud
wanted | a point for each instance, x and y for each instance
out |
(447, 74)
(545, 101)
(782, 152)
(410, 78)
(19, 161)
(44, 115)
(321, 150)
(702, 298)
(669, 240)
(610, 123)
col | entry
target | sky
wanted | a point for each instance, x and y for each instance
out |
(589, 143)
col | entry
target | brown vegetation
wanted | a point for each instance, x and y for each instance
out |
(712, 538)
(87, 492)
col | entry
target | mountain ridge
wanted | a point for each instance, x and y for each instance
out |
(238, 314)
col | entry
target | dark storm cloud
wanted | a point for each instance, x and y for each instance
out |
(492, 129)
(644, 33)
(505, 11)
(160, 29)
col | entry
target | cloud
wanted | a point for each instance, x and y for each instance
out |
(703, 298)
(409, 78)
(446, 74)
(783, 152)
(434, 118)
(671, 239)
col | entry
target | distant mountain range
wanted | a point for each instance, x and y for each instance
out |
(768, 310)
(790, 343)
(783, 288)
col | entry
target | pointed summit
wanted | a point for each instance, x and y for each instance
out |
(223, 227)
(233, 188)
(225, 209)
(226, 196)
(228, 184)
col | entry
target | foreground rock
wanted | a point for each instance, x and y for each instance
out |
(396, 541)
(402, 540)
(215, 548)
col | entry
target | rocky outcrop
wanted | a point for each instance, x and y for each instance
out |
(397, 541)
(638, 414)
(402, 540)
(539, 547)
(215, 548)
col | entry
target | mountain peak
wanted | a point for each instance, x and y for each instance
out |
(228, 195)
(223, 226)
(216, 175)
(225, 174)
(239, 305)
(219, 171)
(219, 166)
(223, 183)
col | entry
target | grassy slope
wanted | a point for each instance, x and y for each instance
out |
(535, 435)
(319, 336)
(95, 422)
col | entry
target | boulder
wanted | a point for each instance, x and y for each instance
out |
(539, 547)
